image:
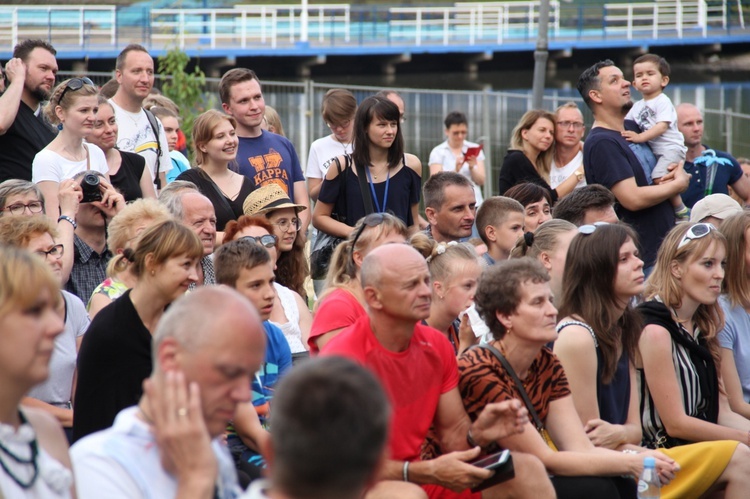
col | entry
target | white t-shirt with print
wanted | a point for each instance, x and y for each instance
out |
(134, 134)
(558, 175)
(648, 113)
(322, 153)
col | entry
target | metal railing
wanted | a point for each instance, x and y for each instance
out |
(491, 114)
(340, 25)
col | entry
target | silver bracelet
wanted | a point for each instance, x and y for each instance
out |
(406, 471)
(629, 451)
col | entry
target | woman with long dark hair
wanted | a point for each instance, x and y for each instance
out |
(393, 178)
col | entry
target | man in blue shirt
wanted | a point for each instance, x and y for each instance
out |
(263, 157)
(703, 182)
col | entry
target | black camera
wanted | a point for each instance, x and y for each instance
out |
(90, 188)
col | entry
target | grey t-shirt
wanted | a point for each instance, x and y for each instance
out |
(58, 388)
(734, 336)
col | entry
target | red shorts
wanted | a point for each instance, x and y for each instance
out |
(439, 492)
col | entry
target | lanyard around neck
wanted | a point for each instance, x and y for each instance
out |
(372, 190)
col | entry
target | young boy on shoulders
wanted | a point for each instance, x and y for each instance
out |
(500, 224)
(656, 116)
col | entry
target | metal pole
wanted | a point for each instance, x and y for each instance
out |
(540, 54)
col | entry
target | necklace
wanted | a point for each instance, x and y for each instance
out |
(22, 461)
(345, 145)
(379, 172)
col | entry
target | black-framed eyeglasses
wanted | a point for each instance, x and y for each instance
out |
(589, 229)
(287, 225)
(74, 84)
(371, 220)
(55, 251)
(267, 240)
(19, 208)
(697, 231)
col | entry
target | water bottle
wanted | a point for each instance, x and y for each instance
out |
(648, 483)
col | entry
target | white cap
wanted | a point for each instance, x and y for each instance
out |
(715, 205)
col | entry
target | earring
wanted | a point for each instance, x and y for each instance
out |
(59, 126)
(153, 272)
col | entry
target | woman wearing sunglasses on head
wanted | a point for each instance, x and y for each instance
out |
(290, 312)
(37, 235)
(342, 301)
(682, 395)
(596, 345)
(35, 462)
(72, 107)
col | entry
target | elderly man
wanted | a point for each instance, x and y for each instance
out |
(690, 124)
(206, 349)
(196, 211)
(417, 366)
(568, 157)
(450, 206)
(610, 161)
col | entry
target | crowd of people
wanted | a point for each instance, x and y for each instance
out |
(167, 329)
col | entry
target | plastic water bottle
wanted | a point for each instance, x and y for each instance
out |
(649, 486)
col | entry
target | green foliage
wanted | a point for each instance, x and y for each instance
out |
(185, 89)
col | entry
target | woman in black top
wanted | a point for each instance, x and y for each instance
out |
(530, 155)
(215, 149)
(115, 355)
(393, 177)
(127, 170)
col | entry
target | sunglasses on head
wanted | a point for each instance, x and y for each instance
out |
(74, 84)
(371, 220)
(696, 232)
(267, 241)
(589, 229)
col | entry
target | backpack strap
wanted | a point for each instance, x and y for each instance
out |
(155, 129)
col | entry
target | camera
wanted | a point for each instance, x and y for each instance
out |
(90, 188)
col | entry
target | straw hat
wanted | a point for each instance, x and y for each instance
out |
(268, 198)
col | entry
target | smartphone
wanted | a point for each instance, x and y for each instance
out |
(473, 152)
(502, 465)
(493, 461)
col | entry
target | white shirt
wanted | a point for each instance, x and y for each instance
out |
(51, 166)
(322, 153)
(134, 134)
(648, 113)
(558, 175)
(443, 155)
(123, 462)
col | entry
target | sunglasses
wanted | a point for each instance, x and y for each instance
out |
(75, 84)
(589, 229)
(371, 220)
(696, 232)
(267, 241)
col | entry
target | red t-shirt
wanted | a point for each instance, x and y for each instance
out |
(338, 310)
(413, 379)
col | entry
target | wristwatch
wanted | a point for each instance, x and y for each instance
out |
(578, 174)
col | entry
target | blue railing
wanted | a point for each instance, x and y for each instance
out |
(341, 26)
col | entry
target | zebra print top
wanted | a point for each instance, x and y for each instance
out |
(693, 368)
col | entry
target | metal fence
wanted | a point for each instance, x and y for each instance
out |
(491, 114)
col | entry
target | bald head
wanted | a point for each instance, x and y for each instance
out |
(215, 337)
(396, 284)
(690, 124)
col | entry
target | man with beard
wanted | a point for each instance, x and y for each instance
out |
(610, 162)
(23, 131)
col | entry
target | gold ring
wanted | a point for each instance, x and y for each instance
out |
(182, 411)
